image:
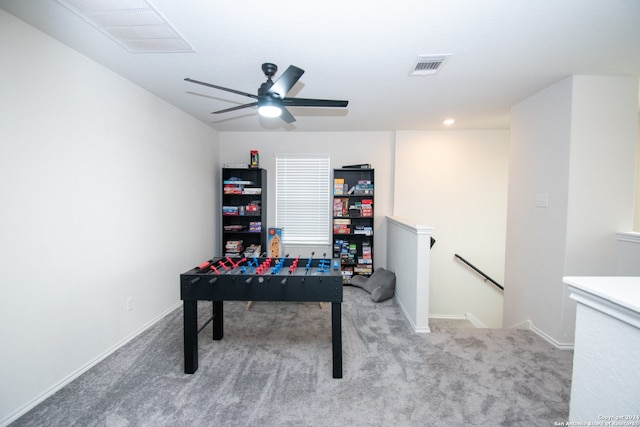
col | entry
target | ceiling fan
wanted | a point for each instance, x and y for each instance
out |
(271, 100)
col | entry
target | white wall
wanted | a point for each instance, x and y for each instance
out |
(538, 159)
(628, 254)
(603, 143)
(103, 199)
(345, 148)
(455, 182)
(575, 143)
(636, 213)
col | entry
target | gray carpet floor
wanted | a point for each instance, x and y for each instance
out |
(273, 368)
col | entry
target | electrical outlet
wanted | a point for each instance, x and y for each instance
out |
(129, 303)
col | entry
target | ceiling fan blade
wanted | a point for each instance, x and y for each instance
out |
(305, 102)
(286, 81)
(239, 107)
(287, 116)
(222, 88)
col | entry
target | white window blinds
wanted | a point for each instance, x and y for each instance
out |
(303, 198)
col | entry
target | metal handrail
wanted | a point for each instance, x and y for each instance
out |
(479, 272)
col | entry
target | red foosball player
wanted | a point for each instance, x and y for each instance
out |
(235, 264)
(293, 266)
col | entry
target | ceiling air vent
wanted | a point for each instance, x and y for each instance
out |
(428, 64)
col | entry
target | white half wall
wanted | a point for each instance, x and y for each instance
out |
(107, 196)
(456, 182)
(345, 148)
(604, 385)
(408, 257)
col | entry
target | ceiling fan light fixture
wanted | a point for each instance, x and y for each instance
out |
(270, 99)
(269, 109)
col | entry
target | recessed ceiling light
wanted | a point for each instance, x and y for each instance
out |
(448, 122)
(133, 24)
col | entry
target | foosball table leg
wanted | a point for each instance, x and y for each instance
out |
(218, 320)
(336, 338)
(190, 313)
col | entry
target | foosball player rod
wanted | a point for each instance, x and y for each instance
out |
(309, 262)
(282, 260)
(293, 265)
(279, 265)
(323, 269)
(265, 265)
(236, 264)
(242, 262)
(276, 267)
(204, 265)
(323, 265)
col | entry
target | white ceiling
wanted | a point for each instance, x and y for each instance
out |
(502, 51)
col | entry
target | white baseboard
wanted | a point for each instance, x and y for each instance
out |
(528, 325)
(467, 316)
(60, 384)
(418, 330)
(525, 324)
(560, 345)
(475, 321)
(448, 316)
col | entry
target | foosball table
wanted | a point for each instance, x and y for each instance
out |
(258, 279)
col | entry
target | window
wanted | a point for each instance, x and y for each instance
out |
(303, 198)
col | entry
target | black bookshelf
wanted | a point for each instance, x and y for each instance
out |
(353, 214)
(244, 210)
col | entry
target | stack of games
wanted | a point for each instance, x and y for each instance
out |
(253, 251)
(233, 248)
(341, 226)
